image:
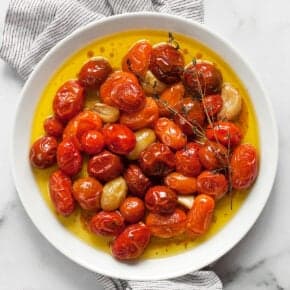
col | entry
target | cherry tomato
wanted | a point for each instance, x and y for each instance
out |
(213, 184)
(160, 199)
(69, 100)
(94, 72)
(157, 160)
(69, 159)
(83, 122)
(180, 183)
(187, 160)
(131, 243)
(203, 79)
(43, 152)
(167, 226)
(132, 209)
(166, 63)
(87, 191)
(107, 223)
(173, 97)
(244, 166)
(137, 58)
(213, 155)
(60, 190)
(169, 133)
(105, 166)
(122, 90)
(191, 115)
(143, 118)
(136, 180)
(226, 133)
(92, 142)
(53, 127)
(119, 138)
(200, 215)
(212, 104)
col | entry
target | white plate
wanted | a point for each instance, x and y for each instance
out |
(84, 254)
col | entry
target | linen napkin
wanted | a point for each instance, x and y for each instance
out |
(32, 27)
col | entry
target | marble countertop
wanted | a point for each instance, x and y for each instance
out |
(261, 31)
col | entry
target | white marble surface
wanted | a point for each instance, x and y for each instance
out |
(261, 31)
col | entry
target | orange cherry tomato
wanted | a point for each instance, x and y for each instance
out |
(166, 63)
(87, 191)
(60, 190)
(119, 138)
(43, 152)
(107, 223)
(143, 118)
(105, 166)
(213, 184)
(203, 79)
(212, 104)
(94, 72)
(132, 209)
(244, 166)
(69, 100)
(137, 58)
(213, 155)
(69, 158)
(160, 199)
(122, 90)
(131, 243)
(92, 142)
(187, 160)
(200, 215)
(157, 160)
(180, 183)
(226, 133)
(173, 97)
(53, 127)
(167, 226)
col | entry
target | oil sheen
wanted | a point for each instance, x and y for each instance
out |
(114, 47)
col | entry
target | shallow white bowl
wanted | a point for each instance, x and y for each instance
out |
(84, 254)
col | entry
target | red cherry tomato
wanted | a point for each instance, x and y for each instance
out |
(212, 104)
(69, 100)
(244, 166)
(180, 183)
(119, 138)
(131, 243)
(92, 142)
(69, 158)
(53, 127)
(132, 209)
(60, 189)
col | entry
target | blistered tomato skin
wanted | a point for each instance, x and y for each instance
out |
(169, 133)
(212, 104)
(157, 160)
(244, 166)
(131, 243)
(136, 180)
(92, 142)
(94, 72)
(87, 191)
(105, 166)
(60, 190)
(160, 199)
(69, 100)
(107, 223)
(226, 133)
(53, 127)
(43, 152)
(167, 226)
(187, 160)
(180, 183)
(166, 63)
(213, 184)
(122, 90)
(132, 209)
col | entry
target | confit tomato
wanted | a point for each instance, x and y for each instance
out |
(53, 127)
(131, 243)
(132, 209)
(180, 183)
(212, 104)
(60, 190)
(68, 101)
(167, 226)
(122, 90)
(43, 152)
(244, 166)
(92, 142)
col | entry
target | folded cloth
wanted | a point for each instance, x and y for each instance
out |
(32, 27)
